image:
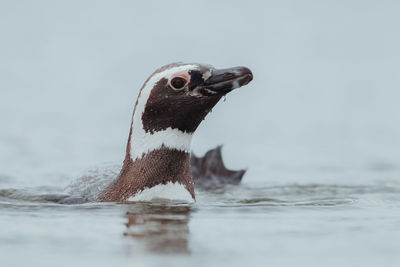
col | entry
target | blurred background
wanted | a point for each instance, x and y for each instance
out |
(325, 93)
(318, 130)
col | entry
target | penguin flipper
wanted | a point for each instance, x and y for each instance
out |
(210, 172)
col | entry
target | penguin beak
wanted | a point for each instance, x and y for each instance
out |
(225, 80)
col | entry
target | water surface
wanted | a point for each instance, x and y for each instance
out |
(313, 223)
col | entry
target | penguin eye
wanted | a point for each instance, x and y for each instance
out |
(178, 82)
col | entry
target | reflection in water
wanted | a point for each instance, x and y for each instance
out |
(159, 227)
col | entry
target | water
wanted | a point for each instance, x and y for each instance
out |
(280, 223)
(318, 130)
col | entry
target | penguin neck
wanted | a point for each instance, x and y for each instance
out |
(158, 161)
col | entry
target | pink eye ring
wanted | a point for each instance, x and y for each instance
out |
(178, 82)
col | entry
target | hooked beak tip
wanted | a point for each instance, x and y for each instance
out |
(247, 76)
(225, 80)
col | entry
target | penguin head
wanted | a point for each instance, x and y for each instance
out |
(179, 96)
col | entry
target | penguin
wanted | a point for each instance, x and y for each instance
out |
(158, 163)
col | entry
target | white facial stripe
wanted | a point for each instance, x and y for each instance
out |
(143, 142)
(170, 191)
